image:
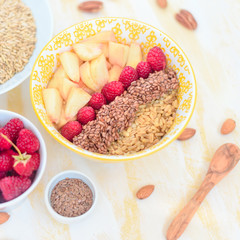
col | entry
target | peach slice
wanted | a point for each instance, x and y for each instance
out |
(85, 88)
(66, 86)
(118, 54)
(55, 82)
(114, 73)
(63, 119)
(135, 55)
(102, 37)
(99, 71)
(105, 49)
(109, 65)
(86, 77)
(70, 63)
(88, 51)
(77, 99)
(53, 103)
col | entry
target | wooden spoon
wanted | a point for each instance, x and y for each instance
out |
(223, 161)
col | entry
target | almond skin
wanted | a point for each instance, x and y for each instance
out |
(228, 126)
(186, 134)
(3, 217)
(145, 192)
(162, 3)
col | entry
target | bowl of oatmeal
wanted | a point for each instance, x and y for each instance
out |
(113, 89)
(24, 32)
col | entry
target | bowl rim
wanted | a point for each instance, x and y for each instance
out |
(22, 79)
(56, 215)
(118, 158)
(43, 159)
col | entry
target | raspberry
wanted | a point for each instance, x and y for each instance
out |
(25, 165)
(71, 129)
(35, 161)
(112, 90)
(127, 76)
(4, 144)
(144, 69)
(85, 115)
(14, 126)
(156, 58)
(13, 187)
(2, 175)
(6, 160)
(27, 141)
(97, 101)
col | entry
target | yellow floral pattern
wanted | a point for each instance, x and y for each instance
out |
(126, 31)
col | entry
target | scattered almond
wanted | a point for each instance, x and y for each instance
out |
(145, 191)
(186, 19)
(90, 6)
(228, 126)
(162, 3)
(3, 217)
(186, 134)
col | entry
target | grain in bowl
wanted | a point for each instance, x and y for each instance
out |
(17, 37)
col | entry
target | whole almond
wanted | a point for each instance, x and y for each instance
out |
(3, 217)
(186, 134)
(186, 19)
(145, 192)
(162, 3)
(228, 126)
(90, 6)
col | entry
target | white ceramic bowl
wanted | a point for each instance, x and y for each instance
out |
(52, 184)
(5, 116)
(44, 22)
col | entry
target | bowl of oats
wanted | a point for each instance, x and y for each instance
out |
(115, 89)
(26, 26)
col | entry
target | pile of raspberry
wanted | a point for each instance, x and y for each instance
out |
(19, 159)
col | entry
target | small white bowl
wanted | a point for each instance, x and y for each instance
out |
(53, 182)
(5, 116)
(44, 22)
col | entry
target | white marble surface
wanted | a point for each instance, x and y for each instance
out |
(176, 171)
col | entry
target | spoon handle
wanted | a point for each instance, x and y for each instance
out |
(181, 221)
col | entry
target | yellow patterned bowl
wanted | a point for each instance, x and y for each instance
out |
(126, 30)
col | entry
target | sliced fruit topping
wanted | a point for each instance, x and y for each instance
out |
(13, 127)
(111, 90)
(85, 115)
(71, 63)
(53, 103)
(143, 69)
(156, 58)
(114, 73)
(97, 101)
(55, 82)
(127, 76)
(118, 54)
(88, 51)
(77, 99)
(71, 129)
(12, 187)
(135, 55)
(66, 86)
(86, 77)
(99, 71)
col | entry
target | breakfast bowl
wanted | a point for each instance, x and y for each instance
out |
(5, 117)
(125, 31)
(44, 29)
(69, 175)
